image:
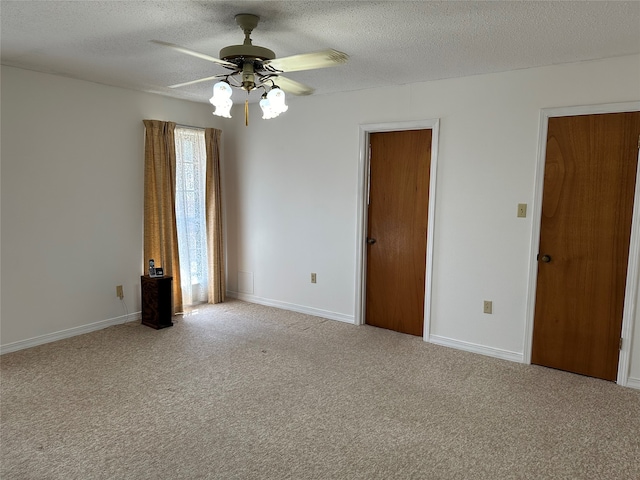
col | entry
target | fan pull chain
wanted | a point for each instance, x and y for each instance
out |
(246, 113)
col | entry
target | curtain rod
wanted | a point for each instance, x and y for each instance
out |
(189, 126)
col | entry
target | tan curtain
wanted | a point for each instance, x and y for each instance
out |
(160, 232)
(215, 247)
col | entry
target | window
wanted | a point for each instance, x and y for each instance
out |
(191, 161)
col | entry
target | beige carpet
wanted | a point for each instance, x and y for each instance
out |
(242, 391)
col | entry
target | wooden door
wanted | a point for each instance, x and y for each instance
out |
(397, 223)
(587, 205)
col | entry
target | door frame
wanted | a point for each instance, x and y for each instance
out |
(362, 217)
(633, 266)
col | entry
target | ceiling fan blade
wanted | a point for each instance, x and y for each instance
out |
(177, 85)
(293, 87)
(178, 48)
(307, 61)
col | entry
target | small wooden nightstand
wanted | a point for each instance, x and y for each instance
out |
(157, 301)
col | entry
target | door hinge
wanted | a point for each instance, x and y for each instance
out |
(638, 141)
(620, 343)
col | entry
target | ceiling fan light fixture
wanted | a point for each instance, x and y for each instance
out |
(265, 105)
(268, 110)
(272, 103)
(276, 99)
(221, 99)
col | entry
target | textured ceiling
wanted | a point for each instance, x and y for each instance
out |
(389, 43)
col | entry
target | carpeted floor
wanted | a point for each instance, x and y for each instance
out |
(242, 391)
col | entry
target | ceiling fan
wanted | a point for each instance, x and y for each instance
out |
(252, 66)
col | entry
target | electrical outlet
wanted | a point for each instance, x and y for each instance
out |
(313, 278)
(522, 210)
(119, 292)
(488, 306)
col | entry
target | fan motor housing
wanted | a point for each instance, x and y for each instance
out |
(253, 52)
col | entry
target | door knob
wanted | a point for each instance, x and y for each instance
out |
(371, 241)
(545, 258)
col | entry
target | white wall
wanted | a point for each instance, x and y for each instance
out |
(291, 194)
(72, 193)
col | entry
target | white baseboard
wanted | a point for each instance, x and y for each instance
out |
(317, 312)
(633, 383)
(475, 348)
(69, 332)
